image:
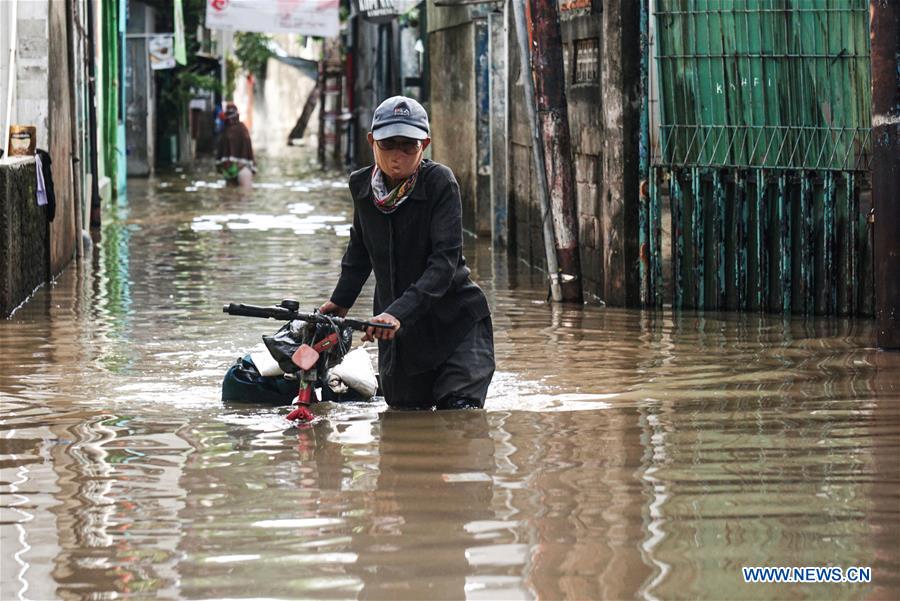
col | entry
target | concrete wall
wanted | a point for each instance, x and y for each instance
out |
(24, 235)
(63, 230)
(365, 42)
(604, 117)
(453, 114)
(376, 76)
(586, 104)
(525, 236)
(464, 130)
(620, 81)
(34, 250)
(31, 105)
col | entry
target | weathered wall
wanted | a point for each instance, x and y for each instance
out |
(453, 114)
(365, 44)
(585, 116)
(24, 235)
(63, 230)
(604, 115)
(619, 193)
(376, 76)
(525, 237)
(31, 106)
(498, 120)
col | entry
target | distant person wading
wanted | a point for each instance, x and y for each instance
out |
(234, 156)
(407, 228)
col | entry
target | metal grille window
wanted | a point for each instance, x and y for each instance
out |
(764, 83)
(587, 60)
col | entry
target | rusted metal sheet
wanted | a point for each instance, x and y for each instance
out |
(644, 227)
(698, 240)
(762, 242)
(656, 278)
(805, 288)
(783, 218)
(741, 260)
(829, 228)
(676, 194)
(718, 241)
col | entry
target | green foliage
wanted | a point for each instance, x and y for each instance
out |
(252, 50)
(177, 86)
(231, 76)
(183, 83)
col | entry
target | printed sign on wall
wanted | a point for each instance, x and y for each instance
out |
(162, 54)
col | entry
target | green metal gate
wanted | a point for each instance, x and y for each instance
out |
(764, 145)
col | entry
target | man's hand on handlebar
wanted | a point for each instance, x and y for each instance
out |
(329, 308)
(382, 333)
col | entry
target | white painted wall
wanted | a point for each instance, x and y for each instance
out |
(30, 104)
(5, 15)
(285, 93)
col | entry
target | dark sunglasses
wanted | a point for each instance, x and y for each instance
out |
(405, 145)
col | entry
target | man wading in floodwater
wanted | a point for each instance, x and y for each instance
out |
(234, 156)
(407, 227)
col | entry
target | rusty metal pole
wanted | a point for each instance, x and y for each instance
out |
(884, 30)
(537, 149)
(553, 118)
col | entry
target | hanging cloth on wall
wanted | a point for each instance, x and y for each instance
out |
(41, 188)
(45, 191)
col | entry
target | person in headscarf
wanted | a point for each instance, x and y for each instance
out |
(234, 156)
(407, 228)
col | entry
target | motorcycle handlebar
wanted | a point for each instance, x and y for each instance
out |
(282, 314)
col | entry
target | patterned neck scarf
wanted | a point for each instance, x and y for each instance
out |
(386, 200)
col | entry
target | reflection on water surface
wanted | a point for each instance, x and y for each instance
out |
(623, 454)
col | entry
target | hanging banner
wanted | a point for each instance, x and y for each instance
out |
(161, 54)
(180, 53)
(383, 11)
(307, 17)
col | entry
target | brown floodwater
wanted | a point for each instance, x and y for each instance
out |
(622, 454)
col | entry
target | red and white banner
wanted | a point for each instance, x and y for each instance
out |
(307, 17)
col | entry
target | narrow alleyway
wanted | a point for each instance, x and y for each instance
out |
(622, 453)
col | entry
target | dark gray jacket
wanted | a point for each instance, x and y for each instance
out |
(421, 276)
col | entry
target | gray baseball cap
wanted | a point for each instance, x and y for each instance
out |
(400, 116)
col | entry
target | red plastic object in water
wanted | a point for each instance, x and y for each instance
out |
(305, 357)
(301, 413)
(304, 396)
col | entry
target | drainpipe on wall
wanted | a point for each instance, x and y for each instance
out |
(72, 43)
(92, 118)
